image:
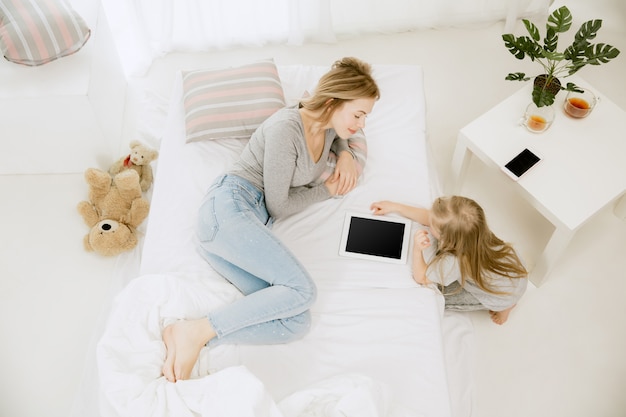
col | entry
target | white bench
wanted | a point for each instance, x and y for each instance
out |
(67, 115)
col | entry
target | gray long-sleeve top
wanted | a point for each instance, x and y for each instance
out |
(276, 160)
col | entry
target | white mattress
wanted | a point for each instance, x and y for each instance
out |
(375, 347)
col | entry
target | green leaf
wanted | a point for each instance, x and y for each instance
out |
(517, 76)
(532, 30)
(510, 42)
(560, 20)
(542, 97)
(576, 51)
(600, 53)
(572, 87)
(520, 47)
(551, 40)
(554, 56)
(588, 31)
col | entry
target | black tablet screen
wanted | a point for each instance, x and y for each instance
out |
(375, 237)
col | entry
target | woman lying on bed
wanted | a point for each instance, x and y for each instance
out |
(274, 178)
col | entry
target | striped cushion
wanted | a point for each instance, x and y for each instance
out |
(35, 32)
(230, 102)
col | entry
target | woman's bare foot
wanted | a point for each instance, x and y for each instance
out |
(183, 341)
(500, 317)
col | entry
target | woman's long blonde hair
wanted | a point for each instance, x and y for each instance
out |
(464, 233)
(348, 79)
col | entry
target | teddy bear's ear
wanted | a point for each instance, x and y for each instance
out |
(88, 213)
(134, 143)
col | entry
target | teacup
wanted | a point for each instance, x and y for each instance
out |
(579, 105)
(538, 119)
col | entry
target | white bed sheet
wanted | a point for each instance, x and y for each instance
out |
(376, 335)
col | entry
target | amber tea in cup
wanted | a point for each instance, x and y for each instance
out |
(579, 105)
(538, 119)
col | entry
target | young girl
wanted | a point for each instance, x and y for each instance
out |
(474, 268)
(276, 176)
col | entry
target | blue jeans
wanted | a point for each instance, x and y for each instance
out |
(235, 239)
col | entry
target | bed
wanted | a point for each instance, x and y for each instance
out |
(376, 347)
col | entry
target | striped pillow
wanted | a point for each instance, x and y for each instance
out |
(230, 102)
(35, 32)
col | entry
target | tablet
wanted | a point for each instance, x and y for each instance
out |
(377, 238)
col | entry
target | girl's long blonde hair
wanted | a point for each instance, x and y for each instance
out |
(348, 79)
(464, 233)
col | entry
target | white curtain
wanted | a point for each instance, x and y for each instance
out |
(145, 29)
(203, 24)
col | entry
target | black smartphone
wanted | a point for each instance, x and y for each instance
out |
(521, 163)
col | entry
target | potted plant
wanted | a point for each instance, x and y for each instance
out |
(557, 64)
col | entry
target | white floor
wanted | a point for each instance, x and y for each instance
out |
(560, 354)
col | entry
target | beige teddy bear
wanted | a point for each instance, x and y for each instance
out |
(114, 210)
(138, 160)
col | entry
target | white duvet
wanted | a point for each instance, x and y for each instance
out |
(131, 354)
(375, 347)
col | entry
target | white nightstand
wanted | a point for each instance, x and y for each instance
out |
(583, 167)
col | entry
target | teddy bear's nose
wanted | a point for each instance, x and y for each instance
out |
(107, 226)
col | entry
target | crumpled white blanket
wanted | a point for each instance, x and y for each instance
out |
(131, 352)
(236, 392)
(231, 392)
(350, 395)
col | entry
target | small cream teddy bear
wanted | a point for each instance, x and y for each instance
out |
(139, 160)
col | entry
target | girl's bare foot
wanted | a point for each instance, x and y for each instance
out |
(500, 317)
(183, 341)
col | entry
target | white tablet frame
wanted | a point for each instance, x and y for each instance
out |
(406, 239)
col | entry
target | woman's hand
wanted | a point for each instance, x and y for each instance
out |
(332, 186)
(346, 173)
